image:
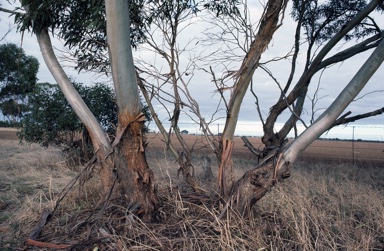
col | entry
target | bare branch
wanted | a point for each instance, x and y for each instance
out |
(282, 93)
(258, 108)
(6, 33)
(368, 93)
(345, 120)
(11, 11)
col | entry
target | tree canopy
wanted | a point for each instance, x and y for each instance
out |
(18, 77)
(82, 24)
(51, 120)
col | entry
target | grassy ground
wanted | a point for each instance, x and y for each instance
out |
(323, 206)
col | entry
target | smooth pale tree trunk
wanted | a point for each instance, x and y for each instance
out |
(329, 116)
(132, 170)
(299, 92)
(100, 142)
(98, 136)
(268, 25)
(124, 172)
(257, 182)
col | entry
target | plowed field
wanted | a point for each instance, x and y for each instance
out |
(320, 149)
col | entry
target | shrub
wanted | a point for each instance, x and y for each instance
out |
(51, 120)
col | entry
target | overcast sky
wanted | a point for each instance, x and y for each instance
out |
(202, 89)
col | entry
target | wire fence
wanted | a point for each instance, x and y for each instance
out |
(354, 143)
(355, 132)
(346, 150)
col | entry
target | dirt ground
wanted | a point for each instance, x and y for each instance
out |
(8, 133)
(320, 149)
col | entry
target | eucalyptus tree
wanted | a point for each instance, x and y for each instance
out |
(18, 77)
(89, 33)
(325, 24)
(335, 21)
(269, 23)
(257, 182)
(83, 29)
(123, 169)
(51, 121)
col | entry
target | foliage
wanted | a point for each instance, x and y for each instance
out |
(17, 78)
(10, 123)
(51, 120)
(323, 19)
(82, 24)
(223, 7)
(11, 108)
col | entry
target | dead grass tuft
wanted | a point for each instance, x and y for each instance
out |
(323, 206)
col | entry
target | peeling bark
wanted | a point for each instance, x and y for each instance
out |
(124, 172)
(268, 25)
(134, 177)
(130, 171)
(225, 173)
(256, 182)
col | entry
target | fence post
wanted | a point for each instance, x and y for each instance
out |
(353, 145)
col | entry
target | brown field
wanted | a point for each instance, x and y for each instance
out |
(320, 149)
(8, 133)
(328, 203)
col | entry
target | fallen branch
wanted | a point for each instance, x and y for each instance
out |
(43, 219)
(40, 244)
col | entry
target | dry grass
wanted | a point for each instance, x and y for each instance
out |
(328, 207)
(323, 206)
(30, 176)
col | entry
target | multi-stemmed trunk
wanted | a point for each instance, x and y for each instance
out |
(124, 172)
(256, 182)
(265, 176)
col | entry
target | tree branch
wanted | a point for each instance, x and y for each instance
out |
(11, 11)
(304, 80)
(345, 120)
